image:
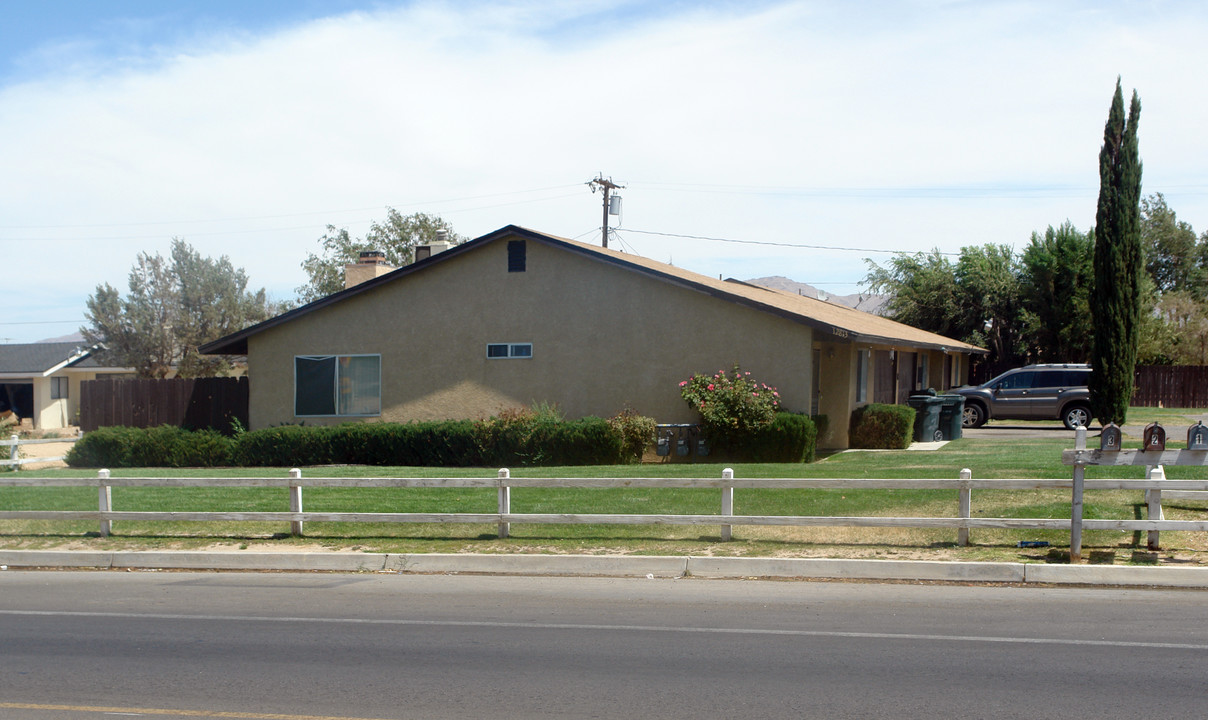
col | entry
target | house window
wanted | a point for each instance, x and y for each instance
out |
(58, 388)
(509, 350)
(337, 385)
(861, 376)
(516, 256)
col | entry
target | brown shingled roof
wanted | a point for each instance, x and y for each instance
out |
(840, 321)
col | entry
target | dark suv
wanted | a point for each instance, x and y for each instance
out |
(1035, 392)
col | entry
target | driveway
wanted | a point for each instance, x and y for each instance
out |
(1055, 430)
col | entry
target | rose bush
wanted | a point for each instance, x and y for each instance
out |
(731, 404)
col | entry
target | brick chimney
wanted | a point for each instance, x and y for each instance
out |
(372, 263)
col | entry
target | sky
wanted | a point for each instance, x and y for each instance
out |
(761, 138)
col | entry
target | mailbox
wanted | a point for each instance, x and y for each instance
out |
(1197, 437)
(1154, 437)
(1109, 440)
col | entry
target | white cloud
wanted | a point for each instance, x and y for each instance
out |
(775, 123)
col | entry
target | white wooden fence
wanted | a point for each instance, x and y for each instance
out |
(1154, 485)
(14, 443)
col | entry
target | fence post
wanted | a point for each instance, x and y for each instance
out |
(505, 501)
(12, 451)
(727, 504)
(1153, 504)
(104, 501)
(295, 502)
(1076, 500)
(966, 503)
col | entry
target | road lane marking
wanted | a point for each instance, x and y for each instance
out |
(631, 628)
(179, 713)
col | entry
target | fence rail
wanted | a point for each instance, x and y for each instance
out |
(726, 518)
(15, 442)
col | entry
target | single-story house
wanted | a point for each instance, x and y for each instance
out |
(518, 317)
(41, 381)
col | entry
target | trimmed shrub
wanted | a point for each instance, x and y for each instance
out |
(588, 441)
(882, 427)
(789, 438)
(163, 446)
(517, 438)
(104, 447)
(287, 446)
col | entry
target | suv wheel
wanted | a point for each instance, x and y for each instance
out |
(1076, 416)
(974, 416)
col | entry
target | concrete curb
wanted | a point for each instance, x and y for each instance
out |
(619, 566)
(723, 567)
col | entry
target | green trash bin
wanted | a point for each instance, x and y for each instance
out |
(927, 416)
(952, 410)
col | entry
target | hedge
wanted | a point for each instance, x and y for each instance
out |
(882, 427)
(514, 440)
(789, 438)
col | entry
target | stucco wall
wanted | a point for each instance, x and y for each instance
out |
(604, 338)
(837, 399)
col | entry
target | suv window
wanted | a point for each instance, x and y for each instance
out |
(1063, 378)
(1018, 381)
(1053, 379)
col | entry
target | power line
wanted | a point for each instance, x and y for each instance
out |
(213, 233)
(973, 191)
(773, 243)
(278, 216)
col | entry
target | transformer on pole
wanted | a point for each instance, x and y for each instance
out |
(612, 203)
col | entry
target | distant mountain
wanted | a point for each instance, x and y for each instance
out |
(866, 302)
(74, 337)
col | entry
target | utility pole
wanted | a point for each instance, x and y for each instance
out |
(607, 186)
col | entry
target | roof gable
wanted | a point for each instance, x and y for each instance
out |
(42, 358)
(839, 322)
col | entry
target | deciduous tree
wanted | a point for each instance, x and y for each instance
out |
(1057, 272)
(173, 307)
(1173, 256)
(396, 237)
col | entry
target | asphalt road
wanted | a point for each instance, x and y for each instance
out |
(91, 645)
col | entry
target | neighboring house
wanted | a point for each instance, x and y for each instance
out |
(41, 381)
(518, 317)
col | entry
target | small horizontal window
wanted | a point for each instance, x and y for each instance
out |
(509, 350)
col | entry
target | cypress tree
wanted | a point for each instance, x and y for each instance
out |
(1115, 304)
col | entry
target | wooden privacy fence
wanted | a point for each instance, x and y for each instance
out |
(184, 402)
(1179, 386)
(726, 519)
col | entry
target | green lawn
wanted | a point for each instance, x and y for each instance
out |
(985, 458)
